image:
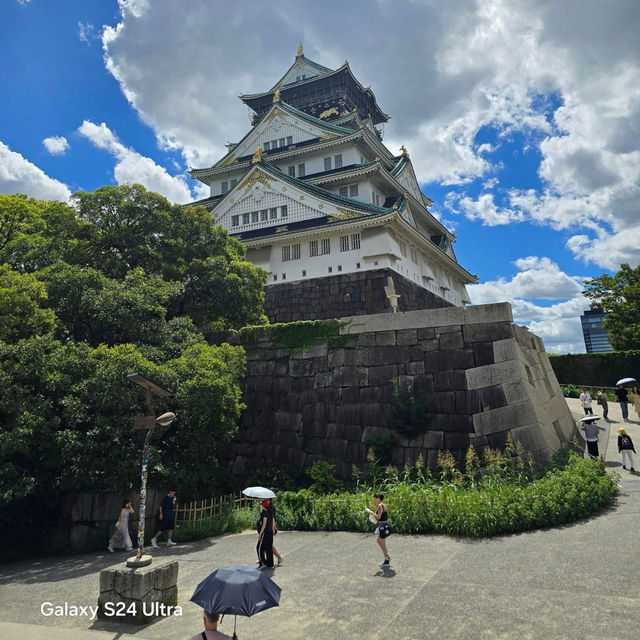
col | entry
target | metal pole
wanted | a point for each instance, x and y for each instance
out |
(143, 488)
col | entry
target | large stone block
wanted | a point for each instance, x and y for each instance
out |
(504, 418)
(493, 374)
(487, 332)
(451, 340)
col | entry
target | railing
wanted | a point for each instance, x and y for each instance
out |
(202, 512)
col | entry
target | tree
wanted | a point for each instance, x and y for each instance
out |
(21, 300)
(619, 297)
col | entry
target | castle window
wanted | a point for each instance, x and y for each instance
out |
(344, 191)
(353, 190)
(355, 240)
(234, 182)
(357, 265)
(264, 214)
(273, 213)
(275, 276)
(274, 144)
(267, 146)
(295, 251)
(304, 273)
(344, 243)
(301, 170)
(254, 216)
(289, 140)
(235, 221)
(326, 246)
(245, 218)
(313, 248)
(337, 161)
(284, 276)
(339, 267)
(330, 269)
(283, 211)
(286, 253)
(225, 187)
(281, 142)
(327, 164)
(292, 170)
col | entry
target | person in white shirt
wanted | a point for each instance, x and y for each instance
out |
(585, 399)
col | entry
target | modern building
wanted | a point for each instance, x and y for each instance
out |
(336, 219)
(596, 336)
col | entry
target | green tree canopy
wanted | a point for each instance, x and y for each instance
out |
(619, 296)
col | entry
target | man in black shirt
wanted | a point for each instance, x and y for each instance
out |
(623, 399)
(166, 519)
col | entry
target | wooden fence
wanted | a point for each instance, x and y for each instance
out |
(201, 512)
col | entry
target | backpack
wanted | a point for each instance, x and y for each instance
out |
(625, 442)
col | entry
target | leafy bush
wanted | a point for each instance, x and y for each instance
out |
(511, 496)
(234, 521)
(324, 477)
(408, 413)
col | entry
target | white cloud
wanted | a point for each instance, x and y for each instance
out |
(18, 175)
(538, 278)
(86, 32)
(56, 145)
(132, 167)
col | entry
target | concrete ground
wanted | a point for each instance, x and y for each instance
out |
(574, 582)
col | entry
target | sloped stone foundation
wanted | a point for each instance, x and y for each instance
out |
(480, 375)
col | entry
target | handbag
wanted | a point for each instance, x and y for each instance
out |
(117, 536)
(384, 529)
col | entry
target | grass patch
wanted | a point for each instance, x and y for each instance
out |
(506, 496)
(234, 521)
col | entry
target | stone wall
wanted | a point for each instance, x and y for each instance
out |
(349, 294)
(480, 375)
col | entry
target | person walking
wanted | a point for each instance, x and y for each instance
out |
(121, 538)
(585, 399)
(276, 553)
(211, 628)
(166, 519)
(591, 429)
(379, 512)
(623, 399)
(602, 401)
(625, 447)
(265, 537)
(635, 398)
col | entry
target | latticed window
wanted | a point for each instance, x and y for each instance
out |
(281, 142)
(292, 170)
(235, 221)
(264, 214)
(234, 182)
(344, 243)
(337, 161)
(225, 187)
(273, 213)
(353, 190)
(289, 139)
(286, 253)
(267, 146)
(327, 164)
(283, 211)
(344, 191)
(326, 246)
(313, 248)
(355, 240)
(295, 251)
(245, 218)
(301, 170)
(254, 216)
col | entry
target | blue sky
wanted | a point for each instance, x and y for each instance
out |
(522, 117)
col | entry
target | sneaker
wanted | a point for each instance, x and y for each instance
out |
(110, 549)
(171, 543)
(632, 470)
(154, 543)
(280, 561)
(386, 563)
(624, 467)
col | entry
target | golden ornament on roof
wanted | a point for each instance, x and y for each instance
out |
(404, 151)
(300, 51)
(276, 95)
(257, 156)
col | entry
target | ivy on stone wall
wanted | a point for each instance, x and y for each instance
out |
(595, 369)
(296, 337)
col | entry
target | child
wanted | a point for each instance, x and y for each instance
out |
(625, 447)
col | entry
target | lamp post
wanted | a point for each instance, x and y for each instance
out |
(149, 423)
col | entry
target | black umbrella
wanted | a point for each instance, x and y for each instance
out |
(237, 590)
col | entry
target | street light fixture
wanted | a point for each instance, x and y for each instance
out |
(149, 423)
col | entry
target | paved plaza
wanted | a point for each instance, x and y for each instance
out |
(579, 581)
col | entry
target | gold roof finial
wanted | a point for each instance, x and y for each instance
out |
(300, 51)
(257, 156)
(276, 95)
(404, 151)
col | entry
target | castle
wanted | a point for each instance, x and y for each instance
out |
(336, 219)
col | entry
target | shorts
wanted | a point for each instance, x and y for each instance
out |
(166, 523)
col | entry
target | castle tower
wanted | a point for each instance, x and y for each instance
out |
(335, 218)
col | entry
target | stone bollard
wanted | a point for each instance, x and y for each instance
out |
(139, 595)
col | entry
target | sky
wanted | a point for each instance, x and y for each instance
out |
(522, 117)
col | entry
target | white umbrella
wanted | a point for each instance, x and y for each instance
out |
(258, 492)
(589, 418)
(625, 381)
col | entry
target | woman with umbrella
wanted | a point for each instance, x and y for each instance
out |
(211, 629)
(623, 397)
(265, 536)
